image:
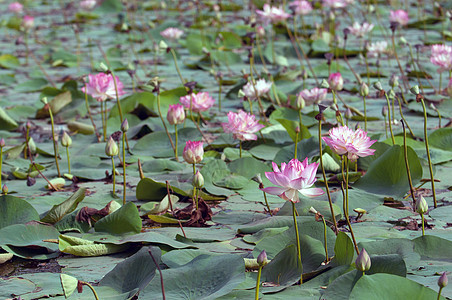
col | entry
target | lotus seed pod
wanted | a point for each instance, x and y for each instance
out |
(364, 90)
(443, 281)
(421, 205)
(111, 148)
(66, 140)
(262, 258)
(198, 180)
(363, 262)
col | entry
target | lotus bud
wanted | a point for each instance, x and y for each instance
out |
(364, 90)
(363, 262)
(415, 90)
(176, 114)
(348, 113)
(384, 111)
(304, 74)
(163, 45)
(336, 81)
(124, 125)
(260, 31)
(377, 85)
(111, 148)
(258, 178)
(324, 84)
(103, 67)
(66, 140)
(28, 124)
(403, 41)
(198, 180)
(262, 259)
(2, 142)
(443, 281)
(4, 189)
(193, 152)
(391, 94)
(31, 145)
(44, 100)
(31, 181)
(421, 205)
(300, 102)
(394, 81)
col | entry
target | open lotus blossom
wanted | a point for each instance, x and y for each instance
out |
(28, 22)
(102, 87)
(272, 14)
(336, 3)
(336, 81)
(193, 152)
(172, 33)
(262, 88)
(345, 141)
(301, 7)
(442, 57)
(88, 4)
(293, 178)
(400, 16)
(359, 30)
(312, 96)
(377, 48)
(15, 7)
(198, 102)
(176, 114)
(242, 125)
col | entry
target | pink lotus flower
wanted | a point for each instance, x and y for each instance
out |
(301, 7)
(88, 4)
(16, 7)
(355, 144)
(399, 16)
(314, 95)
(336, 3)
(102, 87)
(336, 81)
(242, 125)
(293, 177)
(442, 57)
(262, 88)
(377, 48)
(28, 22)
(176, 114)
(272, 14)
(359, 30)
(193, 152)
(172, 33)
(198, 102)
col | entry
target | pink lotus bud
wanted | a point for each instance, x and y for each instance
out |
(399, 16)
(363, 262)
(262, 259)
(111, 148)
(193, 152)
(198, 180)
(443, 281)
(176, 114)
(336, 81)
(125, 125)
(28, 22)
(2, 142)
(15, 7)
(260, 31)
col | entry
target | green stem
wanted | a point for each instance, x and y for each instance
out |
(114, 174)
(389, 118)
(177, 67)
(405, 154)
(89, 113)
(1, 163)
(175, 146)
(91, 288)
(365, 114)
(266, 203)
(324, 239)
(124, 167)
(294, 212)
(117, 97)
(347, 208)
(55, 151)
(104, 124)
(219, 94)
(68, 162)
(163, 121)
(195, 197)
(428, 154)
(403, 117)
(325, 179)
(439, 293)
(240, 147)
(258, 283)
(296, 144)
(423, 221)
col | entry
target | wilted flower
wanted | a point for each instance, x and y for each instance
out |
(193, 152)
(15, 7)
(314, 95)
(421, 205)
(102, 87)
(359, 30)
(377, 48)
(344, 140)
(301, 7)
(293, 177)
(336, 81)
(442, 57)
(242, 125)
(172, 33)
(262, 87)
(399, 16)
(88, 4)
(176, 114)
(111, 148)
(363, 262)
(198, 102)
(272, 14)
(28, 22)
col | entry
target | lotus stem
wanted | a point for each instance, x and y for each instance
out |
(294, 212)
(324, 239)
(296, 143)
(104, 123)
(1, 164)
(266, 203)
(177, 67)
(91, 288)
(405, 154)
(163, 121)
(345, 205)
(428, 154)
(55, 151)
(175, 145)
(389, 118)
(89, 113)
(124, 167)
(439, 293)
(114, 174)
(423, 226)
(258, 283)
(195, 196)
(403, 117)
(68, 161)
(365, 114)
(160, 272)
(240, 147)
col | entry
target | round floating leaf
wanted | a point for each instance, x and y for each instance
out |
(14, 210)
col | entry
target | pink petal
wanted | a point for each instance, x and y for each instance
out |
(312, 192)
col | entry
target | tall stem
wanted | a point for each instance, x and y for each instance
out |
(423, 226)
(163, 121)
(104, 123)
(89, 113)
(177, 67)
(55, 151)
(1, 163)
(68, 162)
(195, 196)
(117, 97)
(345, 206)
(240, 146)
(405, 152)
(325, 240)
(428, 153)
(91, 288)
(124, 168)
(365, 114)
(258, 283)
(294, 212)
(389, 118)
(113, 174)
(175, 145)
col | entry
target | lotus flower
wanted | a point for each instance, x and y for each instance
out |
(193, 152)
(336, 81)
(88, 4)
(314, 95)
(336, 3)
(102, 87)
(442, 57)
(272, 14)
(242, 125)
(399, 16)
(172, 33)
(15, 7)
(355, 144)
(293, 177)
(359, 30)
(28, 22)
(377, 48)
(176, 114)
(262, 87)
(301, 7)
(198, 102)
